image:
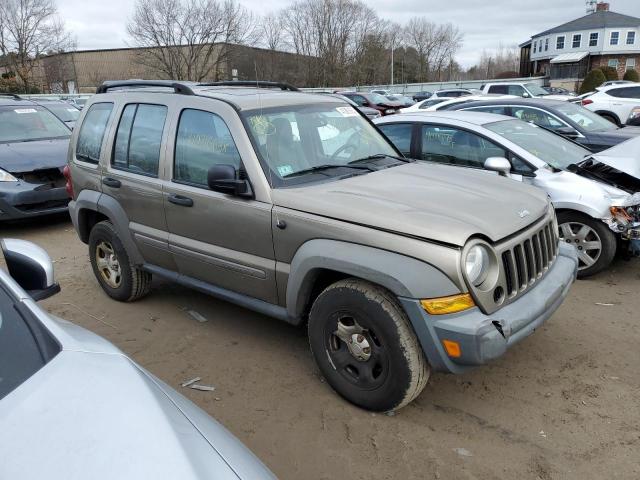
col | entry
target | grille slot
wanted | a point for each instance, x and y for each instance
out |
(526, 262)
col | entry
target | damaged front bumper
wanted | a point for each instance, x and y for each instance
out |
(485, 337)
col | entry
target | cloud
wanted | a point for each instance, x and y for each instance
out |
(485, 25)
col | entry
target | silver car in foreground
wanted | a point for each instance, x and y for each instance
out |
(73, 406)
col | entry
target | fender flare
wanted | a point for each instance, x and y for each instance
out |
(610, 114)
(404, 276)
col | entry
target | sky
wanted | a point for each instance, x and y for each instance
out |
(484, 23)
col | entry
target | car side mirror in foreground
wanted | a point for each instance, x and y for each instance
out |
(31, 267)
(224, 179)
(498, 164)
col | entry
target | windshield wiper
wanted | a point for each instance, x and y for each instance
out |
(328, 166)
(379, 156)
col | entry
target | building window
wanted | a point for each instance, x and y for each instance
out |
(631, 64)
(535, 44)
(613, 63)
(615, 38)
(546, 45)
(577, 41)
(593, 39)
(560, 43)
(631, 38)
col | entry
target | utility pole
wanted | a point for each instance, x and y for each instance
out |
(392, 48)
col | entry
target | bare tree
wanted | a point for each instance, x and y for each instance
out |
(270, 29)
(501, 62)
(188, 39)
(28, 30)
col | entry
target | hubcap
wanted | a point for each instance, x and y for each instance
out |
(585, 239)
(356, 352)
(108, 264)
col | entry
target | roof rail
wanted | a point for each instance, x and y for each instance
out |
(12, 95)
(251, 83)
(183, 88)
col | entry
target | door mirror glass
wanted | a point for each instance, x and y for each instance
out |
(224, 179)
(31, 267)
(568, 132)
(498, 164)
(525, 95)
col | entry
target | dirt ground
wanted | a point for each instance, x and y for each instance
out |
(563, 404)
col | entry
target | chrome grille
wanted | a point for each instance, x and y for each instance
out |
(527, 261)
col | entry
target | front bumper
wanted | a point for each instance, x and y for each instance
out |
(25, 200)
(484, 337)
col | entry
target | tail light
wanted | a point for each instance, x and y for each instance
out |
(66, 171)
(586, 102)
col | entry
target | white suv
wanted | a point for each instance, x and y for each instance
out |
(615, 103)
(522, 89)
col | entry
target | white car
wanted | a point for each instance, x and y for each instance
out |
(435, 104)
(615, 102)
(381, 91)
(522, 89)
(595, 195)
(455, 92)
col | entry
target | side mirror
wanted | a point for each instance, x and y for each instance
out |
(568, 132)
(31, 267)
(526, 95)
(223, 179)
(498, 164)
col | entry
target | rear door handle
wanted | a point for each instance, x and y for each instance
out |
(180, 200)
(111, 182)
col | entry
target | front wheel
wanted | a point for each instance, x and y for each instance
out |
(363, 344)
(595, 242)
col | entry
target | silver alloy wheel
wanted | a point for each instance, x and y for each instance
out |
(108, 264)
(585, 239)
(353, 335)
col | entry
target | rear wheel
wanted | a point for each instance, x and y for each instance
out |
(110, 262)
(365, 347)
(595, 242)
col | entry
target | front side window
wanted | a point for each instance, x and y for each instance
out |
(497, 109)
(203, 140)
(539, 117)
(23, 123)
(500, 89)
(577, 41)
(536, 90)
(593, 39)
(92, 132)
(454, 146)
(560, 43)
(631, 38)
(138, 139)
(548, 147)
(359, 99)
(615, 38)
(400, 136)
(325, 137)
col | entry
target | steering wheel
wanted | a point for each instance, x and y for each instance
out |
(342, 149)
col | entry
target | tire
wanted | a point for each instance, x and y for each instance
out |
(104, 247)
(396, 370)
(571, 225)
(610, 118)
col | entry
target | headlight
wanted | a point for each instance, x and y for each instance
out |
(7, 177)
(476, 264)
(635, 113)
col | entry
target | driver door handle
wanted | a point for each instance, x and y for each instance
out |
(180, 200)
(111, 182)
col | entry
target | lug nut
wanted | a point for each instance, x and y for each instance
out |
(359, 338)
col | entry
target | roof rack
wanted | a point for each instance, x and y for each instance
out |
(12, 95)
(251, 83)
(178, 87)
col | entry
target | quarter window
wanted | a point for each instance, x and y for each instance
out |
(203, 140)
(400, 136)
(138, 139)
(457, 147)
(92, 131)
(560, 43)
(615, 38)
(631, 38)
(593, 39)
(577, 41)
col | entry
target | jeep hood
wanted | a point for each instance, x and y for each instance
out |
(427, 200)
(21, 157)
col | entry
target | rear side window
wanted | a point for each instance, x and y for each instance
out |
(203, 140)
(400, 136)
(92, 132)
(499, 110)
(628, 92)
(502, 89)
(138, 139)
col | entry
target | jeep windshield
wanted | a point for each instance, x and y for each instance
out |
(548, 147)
(24, 123)
(314, 142)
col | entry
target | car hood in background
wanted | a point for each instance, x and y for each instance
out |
(436, 202)
(20, 157)
(624, 157)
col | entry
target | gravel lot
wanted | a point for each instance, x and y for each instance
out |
(564, 404)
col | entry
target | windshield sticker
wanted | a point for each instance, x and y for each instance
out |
(347, 111)
(284, 170)
(261, 125)
(25, 110)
